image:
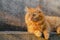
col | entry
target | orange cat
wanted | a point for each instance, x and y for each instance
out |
(38, 23)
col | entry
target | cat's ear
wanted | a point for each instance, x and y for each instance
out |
(27, 8)
(39, 8)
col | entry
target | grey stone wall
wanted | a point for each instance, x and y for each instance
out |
(51, 7)
(16, 8)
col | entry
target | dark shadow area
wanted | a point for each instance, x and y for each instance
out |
(7, 27)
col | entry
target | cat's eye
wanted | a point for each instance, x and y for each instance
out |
(34, 14)
(39, 11)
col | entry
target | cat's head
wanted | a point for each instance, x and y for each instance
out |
(34, 14)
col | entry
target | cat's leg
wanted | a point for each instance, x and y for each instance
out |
(37, 33)
(46, 34)
(58, 30)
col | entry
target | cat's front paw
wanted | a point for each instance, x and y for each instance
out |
(58, 30)
(38, 33)
(46, 34)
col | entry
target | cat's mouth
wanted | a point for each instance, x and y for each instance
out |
(35, 19)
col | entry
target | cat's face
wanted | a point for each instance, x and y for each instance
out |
(35, 14)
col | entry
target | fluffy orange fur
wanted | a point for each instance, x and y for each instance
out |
(38, 23)
(54, 22)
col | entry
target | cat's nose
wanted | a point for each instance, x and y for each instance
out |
(35, 18)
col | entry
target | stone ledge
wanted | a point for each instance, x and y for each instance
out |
(17, 35)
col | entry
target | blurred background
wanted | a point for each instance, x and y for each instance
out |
(12, 12)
